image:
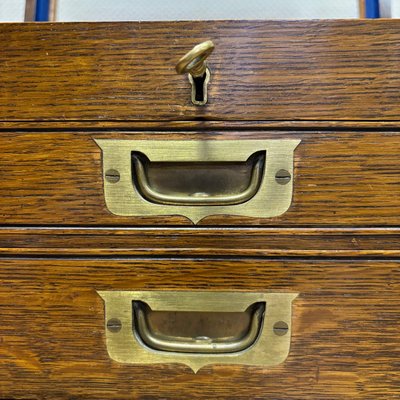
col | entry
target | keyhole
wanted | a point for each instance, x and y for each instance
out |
(199, 88)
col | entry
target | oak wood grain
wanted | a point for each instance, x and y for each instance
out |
(196, 125)
(261, 70)
(201, 242)
(340, 179)
(345, 343)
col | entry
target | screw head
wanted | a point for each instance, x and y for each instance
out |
(281, 328)
(283, 177)
(112, 176)
(114, 325)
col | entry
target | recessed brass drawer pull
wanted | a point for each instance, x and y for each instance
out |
(201, 344)
(200, 198)
(198, 328)
(252, 178)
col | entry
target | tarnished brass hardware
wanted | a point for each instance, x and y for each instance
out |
(200, 88)
(260, 345)
(194, 64)
(283, 177)
(112, 176)
(127, 197)
(281, 328)
(200, 198)
(201, 344)
(114, 325)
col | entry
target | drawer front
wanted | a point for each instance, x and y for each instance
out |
(344, 345)
(336, 179)
(265, 70)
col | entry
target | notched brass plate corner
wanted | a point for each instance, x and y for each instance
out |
(130, 339)
(129, 192)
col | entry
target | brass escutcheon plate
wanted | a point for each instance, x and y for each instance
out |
(124, 198)
(270, 346)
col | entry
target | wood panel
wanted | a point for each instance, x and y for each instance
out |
(196, 125)
(202, 242)
(341, 179)
(261, 70)
(345, 343)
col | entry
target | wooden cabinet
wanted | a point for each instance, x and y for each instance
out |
(329, 86)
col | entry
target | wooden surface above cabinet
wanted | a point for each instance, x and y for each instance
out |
(261, 71)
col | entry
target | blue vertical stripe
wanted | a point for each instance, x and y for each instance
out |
(42, 10)
(372, 9)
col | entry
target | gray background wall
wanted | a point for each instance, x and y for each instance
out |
(151, 10)
(12, 10)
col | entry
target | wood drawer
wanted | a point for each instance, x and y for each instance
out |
(261, 70)
(345, 342)
(340, 179)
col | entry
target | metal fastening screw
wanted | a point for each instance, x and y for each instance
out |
(283, 177)
(112, 176)
(114, 325)
(281, 328)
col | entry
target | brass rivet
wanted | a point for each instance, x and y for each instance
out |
(281, 328)
(283, 177)
(112, 176)
(114, 325)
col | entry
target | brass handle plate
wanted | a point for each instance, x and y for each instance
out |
(263, 345)
(124, 196)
